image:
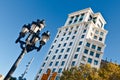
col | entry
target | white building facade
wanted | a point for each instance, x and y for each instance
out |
(80, 41)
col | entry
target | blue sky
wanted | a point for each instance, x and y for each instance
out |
(15, 13)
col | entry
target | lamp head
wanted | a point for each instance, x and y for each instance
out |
(25, 28)
(37, 26)
(41, 23)
(45, 37)
(34, 39)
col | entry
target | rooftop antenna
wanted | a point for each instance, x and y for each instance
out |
(110, 60)
(106, 58)
(27, 67)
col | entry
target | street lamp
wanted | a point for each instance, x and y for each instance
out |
(31, 33)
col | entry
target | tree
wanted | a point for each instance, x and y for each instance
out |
(84, 72)
(108, 71)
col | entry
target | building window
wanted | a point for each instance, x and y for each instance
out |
(94, 20)
(88, 44)
(80, 43)
(50, 63)
(86, 25)
(68, 49)
(89, 60)
(56, 51)
(91, 53)
(76, 19)
(63, 62)
(66, 29)
(84, 31)
(62, 50)
(81, 18)
(73, 37)
(70, 22)
(90, 18)
(65, 56)
(98, 25)
(82, 64)
(97, 55)
(59, 57)
(69, 33)
(91, 34)
(95, 37)
(73, 63)
(82, 36)
(86, 51)
(59, 45)
(82, 14)
(64, 44)
(99, 48)
(101, 23)
(93, 46)
(56, 64)
(53, 70)
(70, 43)
(43, 65)
(71, 19)
(64, 34)
(46, 58)
(95, 62)
(101, 33)
(60, 31)
(52, 46)
(67, 38)
(75, 56)
(40, 71)
(83, 58)
(78, 49)
(49, 52)
(71, 28)
(57, 36)
(62, 39)
(100, 39)
(77, 27)
(53, 57)
(57, 78)
(55, 41)
(97, 32)
(60, 70)
(75, 32)
(47, 70)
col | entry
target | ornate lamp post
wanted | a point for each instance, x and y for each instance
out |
(31, 33)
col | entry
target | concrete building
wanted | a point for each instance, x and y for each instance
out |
(81, 40)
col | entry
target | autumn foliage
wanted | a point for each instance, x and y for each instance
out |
(108, 71)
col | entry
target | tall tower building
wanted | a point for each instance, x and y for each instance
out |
(80, 41)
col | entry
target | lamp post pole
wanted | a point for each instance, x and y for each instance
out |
(9, 75)
(33, 31)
